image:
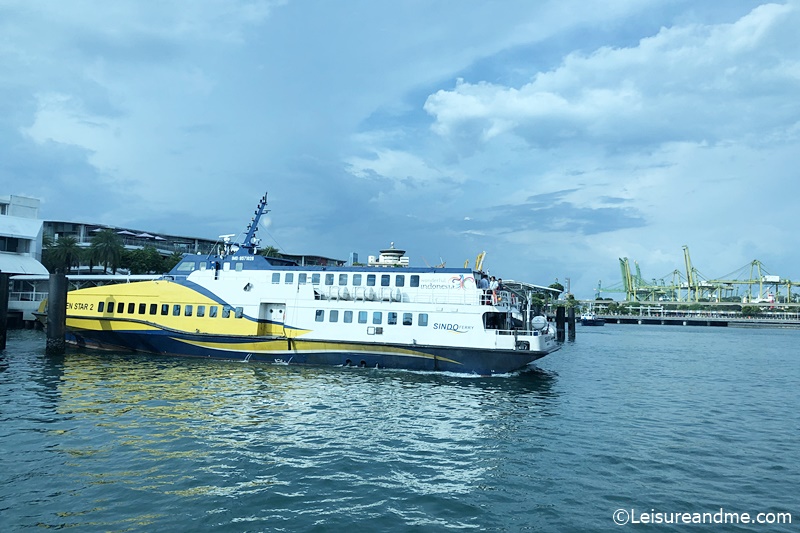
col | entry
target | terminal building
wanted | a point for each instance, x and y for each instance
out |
(20, 236)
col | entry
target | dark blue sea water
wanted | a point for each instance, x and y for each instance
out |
(627, 421)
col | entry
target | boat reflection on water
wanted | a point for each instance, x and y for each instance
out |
(228, 428)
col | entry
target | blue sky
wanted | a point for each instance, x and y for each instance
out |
(556, 136)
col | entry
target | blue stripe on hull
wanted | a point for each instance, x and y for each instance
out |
(282, 350)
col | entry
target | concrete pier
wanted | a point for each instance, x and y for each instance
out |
(720, 322)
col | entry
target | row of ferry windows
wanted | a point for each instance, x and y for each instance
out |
(377, 317)
(370, 280)
(174, 309)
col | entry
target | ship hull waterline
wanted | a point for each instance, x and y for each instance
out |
(281, 350)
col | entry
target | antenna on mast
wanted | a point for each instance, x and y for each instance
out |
(250, 242)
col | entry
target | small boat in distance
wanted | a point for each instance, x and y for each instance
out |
(591, 319)
(239, 305)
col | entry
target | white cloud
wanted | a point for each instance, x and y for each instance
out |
(653, 92)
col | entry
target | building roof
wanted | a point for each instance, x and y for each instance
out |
(522, 287)
(20, 228)
(20, 264)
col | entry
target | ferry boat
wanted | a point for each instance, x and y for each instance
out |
(240, 305)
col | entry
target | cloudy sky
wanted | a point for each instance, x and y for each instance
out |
(557, 136)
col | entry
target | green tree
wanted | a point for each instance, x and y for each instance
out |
(269, 251)
(146, 260)
(557, 286)
(64, 253)
(107, 249)
(47, 253)
(751, 310)
(538, 302)
(171, 261)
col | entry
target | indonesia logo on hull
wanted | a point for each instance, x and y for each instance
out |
(460, 280)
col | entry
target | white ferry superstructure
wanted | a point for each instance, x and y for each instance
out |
(243, 306)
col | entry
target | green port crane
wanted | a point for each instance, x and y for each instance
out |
(696, 287)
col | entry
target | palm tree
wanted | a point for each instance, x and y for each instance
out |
(269, 251)
(65, 253)
(107, 248)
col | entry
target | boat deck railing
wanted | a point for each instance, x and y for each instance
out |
(390, 294)
(26, 296)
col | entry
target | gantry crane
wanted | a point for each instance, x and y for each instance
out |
(695, 286)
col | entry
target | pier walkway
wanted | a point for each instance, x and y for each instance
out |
(781, 320)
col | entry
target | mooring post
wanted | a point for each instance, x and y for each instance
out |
(560, 323)
(571, 323)
(56, 314)
(4, 292)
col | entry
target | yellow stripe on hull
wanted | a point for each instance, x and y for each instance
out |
(280, 345)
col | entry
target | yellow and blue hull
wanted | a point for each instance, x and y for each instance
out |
(286, 350)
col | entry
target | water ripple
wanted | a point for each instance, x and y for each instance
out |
(625, 417)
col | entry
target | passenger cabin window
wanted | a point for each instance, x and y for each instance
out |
(276, 277)
(315, 279)
(356, 280)
(164, 309)
(370, 280)
(176, 310)
(377, 317)
(120, 307)
(333, 316)
(226, 312)
(186, 267)
(212, 311)
(319, 316)
(153, 309)
(385, 280)
(100, 307)
(348, 317)
(423, 319)
(414, 282)
(362, 317)
(187, 311)
(328, 279)
(289, 278)
(392, 318)
(342, 279)
(131, 308)
(239, 312)
(239, 267)
(407, 319)
(142, 309)
(399, 280)
(301, 278)
(201, 310)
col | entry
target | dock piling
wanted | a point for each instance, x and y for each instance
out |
(56, 314)
(560, 320)
(4, 293)
(571, 323)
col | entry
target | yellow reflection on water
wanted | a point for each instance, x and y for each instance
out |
(186, 428)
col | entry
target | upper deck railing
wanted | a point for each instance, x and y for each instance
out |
(504, 299)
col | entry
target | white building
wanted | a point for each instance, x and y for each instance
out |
(20, 236)
(20, 251)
